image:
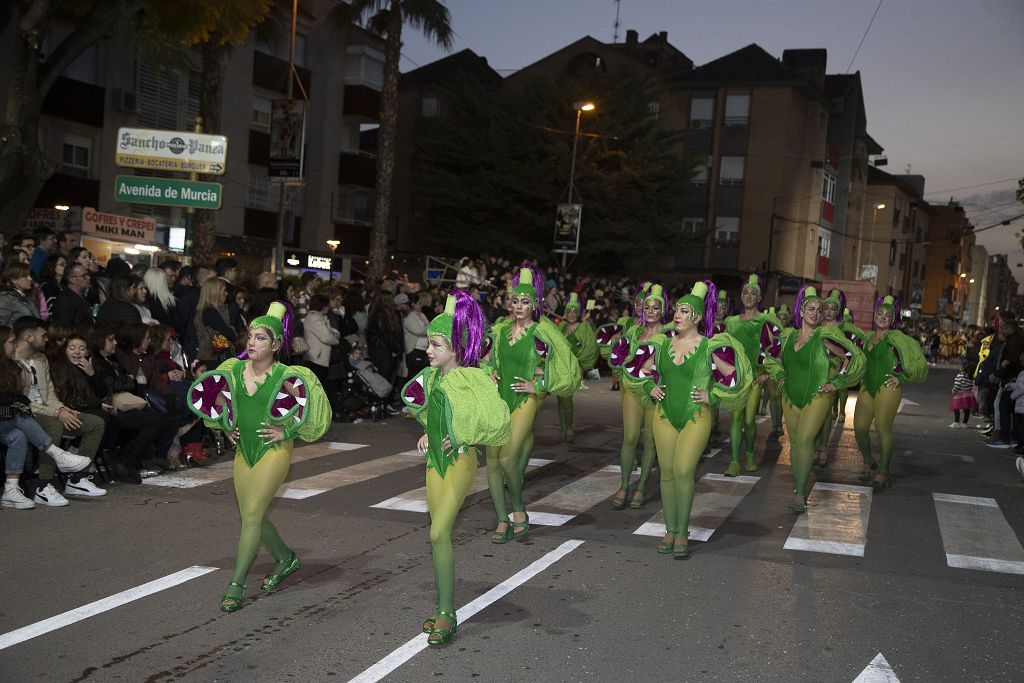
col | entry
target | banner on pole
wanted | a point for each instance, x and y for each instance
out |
(287, 138)
(567, 227)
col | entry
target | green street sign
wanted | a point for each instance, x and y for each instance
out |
(132, 189)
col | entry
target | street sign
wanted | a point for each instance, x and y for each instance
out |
(170, 150)
(132, 189)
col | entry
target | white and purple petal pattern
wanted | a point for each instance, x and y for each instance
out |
(898, 368)
(285, 402)
(619, 352)
(203, 397)
(606, 333)
(540, 346)
(485, 348)
(727, 355)
(635, 365)
(855, 339)
(771, 344)
(415, 393)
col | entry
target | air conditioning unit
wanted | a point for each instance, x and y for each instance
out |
(125, 100)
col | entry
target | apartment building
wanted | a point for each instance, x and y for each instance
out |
(948, 262)
(339, 71)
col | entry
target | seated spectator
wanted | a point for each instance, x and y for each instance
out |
(17, 298)
(160, 301)
(215, 334)
(51, 275)
(71, 307)
(119, 308)
(139, 301)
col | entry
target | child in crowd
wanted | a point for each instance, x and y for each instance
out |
(963, 397)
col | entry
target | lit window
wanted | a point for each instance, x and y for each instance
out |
(653, 110)
(261, 112)
(259, 189)
(701, 175)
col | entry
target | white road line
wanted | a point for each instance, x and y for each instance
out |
(411, 648)
(976, 535)
(199, 476)
(717, 496)
(416, 500)
(576, 497)
(352, 474)
(878, 671)
(836, 520)
(93, 608)
(712, 453)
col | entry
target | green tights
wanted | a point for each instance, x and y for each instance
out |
(636, 416)
(255, 488)
(803, 426)
(505, 464)
(679, 453)
(881, 409)
(774, 403)
(744, 424)
(444, 500)
(565, 412)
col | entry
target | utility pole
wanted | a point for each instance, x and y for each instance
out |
(279, 247)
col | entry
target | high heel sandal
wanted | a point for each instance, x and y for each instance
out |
(505, 536)
(271, 580)
(881, 485)
(868, 475)
(665, 547)
(442, 636)
(798, 508)
(428, 625)
(619, 503)
(637, 504)
(519, 529)
(680, 551)
(230, 603)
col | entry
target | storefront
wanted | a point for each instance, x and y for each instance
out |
(131, 238)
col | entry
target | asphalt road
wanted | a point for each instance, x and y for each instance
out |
(588, 600)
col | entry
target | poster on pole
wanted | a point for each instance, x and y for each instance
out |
(567, 227)
(287, 138)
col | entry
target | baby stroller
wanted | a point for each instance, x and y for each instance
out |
(361, 387)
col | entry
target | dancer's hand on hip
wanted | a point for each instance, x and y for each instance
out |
(271, 433)
(826, 388)
(658, 392)
(521, 386)
(892, 383)
(422, 444)
(699, 396)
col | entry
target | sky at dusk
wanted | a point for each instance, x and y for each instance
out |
(943, 79)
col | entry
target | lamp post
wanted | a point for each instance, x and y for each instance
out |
(580, 107)
(871, 250)
(333, 244)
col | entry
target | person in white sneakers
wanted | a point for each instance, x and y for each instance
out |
(55, 418)
(18, 429)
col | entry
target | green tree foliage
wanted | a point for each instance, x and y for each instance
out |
(492, 169)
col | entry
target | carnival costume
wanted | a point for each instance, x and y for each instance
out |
(721, 313)
(459, 408)
(582, 341)
(832, 308)
(290, 397)
(540, 356)
(756, 336)
(803, 373)
(715, 372)
(893, 358)
(638, 409)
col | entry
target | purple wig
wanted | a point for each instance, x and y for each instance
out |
(538, 284)
(710, 309)
(288, 328)
(897, 321)
(798, 306)
(467, 329)
(664, 308)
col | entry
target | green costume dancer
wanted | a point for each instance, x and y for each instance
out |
(459, 407)
(638, 409)
(721, 313)
(528, 357)
(580, 335)
(686, 374)
(804, 369)
(831, 316)
(893, 359)
(756, 331)
(262, 405)
(772, 387)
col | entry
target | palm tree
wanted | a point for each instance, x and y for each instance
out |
(385, 17)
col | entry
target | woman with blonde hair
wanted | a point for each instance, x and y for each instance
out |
(216, 336)
(160, 301)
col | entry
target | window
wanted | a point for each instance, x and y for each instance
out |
(75, 156)
(353, 208)
(731, 171)
(897, 208)
(653, 110)
(365, 66)
(693, 226)
(195, 93)
(700, 176)
(430, 107)
(824, 242)
(261, 112)
(702, 112)
(158, 89)
(727, 230)
(737, 110)
(259, 190)
(828, 188)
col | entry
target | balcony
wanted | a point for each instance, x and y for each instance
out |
(76, 101)
(272, 73)
(69, 190)
(361, 104)
(357, 170)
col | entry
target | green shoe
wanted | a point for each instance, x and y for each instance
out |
(680, 551)
(232, 603)
(638, 501)
(868, 473)
(519, 529)
(619, 503)
(665, 547)
(442, 636)
(428, 625)
(798, 508)
(570, 436)
(271, 580)
(505, 536)
(733, 470)
(750, 465)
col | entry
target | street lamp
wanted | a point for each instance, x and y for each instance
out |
(580, 107)
(333, 244)
(860, 237)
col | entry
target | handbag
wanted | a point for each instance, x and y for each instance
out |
(11, 410)
(123, 401)
(161, 403)
(300, 347)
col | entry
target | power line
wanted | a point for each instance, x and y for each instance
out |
(857, 51)
(971, 187)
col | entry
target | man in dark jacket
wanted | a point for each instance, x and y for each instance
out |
(1006, 370)
(70, 307)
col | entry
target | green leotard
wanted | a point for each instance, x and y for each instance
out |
(806, 369)
(894, 355)
(677, 406)
(748, 334)
(514, 359)
(583, 343)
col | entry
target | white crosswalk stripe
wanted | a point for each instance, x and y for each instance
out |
(199, 476)
(348, 475)
(717, 496)
(576, 497)
(976, 535)
(836, 520)
(416, 500)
